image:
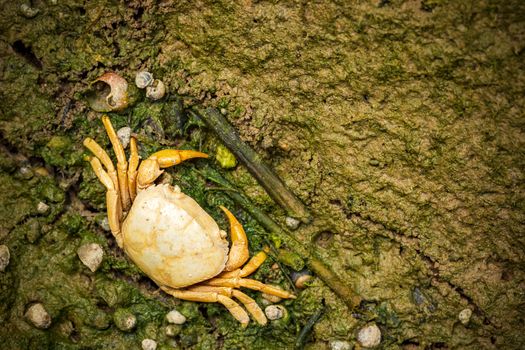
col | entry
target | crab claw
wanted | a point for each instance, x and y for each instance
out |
(150, 169)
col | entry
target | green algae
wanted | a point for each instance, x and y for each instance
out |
(399, 123)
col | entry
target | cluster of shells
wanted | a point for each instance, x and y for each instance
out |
(111, 92)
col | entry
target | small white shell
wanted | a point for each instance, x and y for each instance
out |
(274, 312)
(42, 208)
(175, 317)
(156, 90)
(143, 79)
(91, 255)
(124, 135)
(38, 316)
(369, 336)
(149, 344)
(4, 257)
(465, 315)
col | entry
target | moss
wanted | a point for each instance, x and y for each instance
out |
(225, 158)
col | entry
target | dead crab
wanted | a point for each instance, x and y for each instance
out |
(170, 237)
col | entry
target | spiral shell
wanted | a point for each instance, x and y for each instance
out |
(156, 90)
(109, 93)
(143, 79)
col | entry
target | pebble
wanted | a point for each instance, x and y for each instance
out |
(26, 172)
(42, 207)
(124, 135)
(4, 257)
(274, 312)
(369, 336)
(38, 315)
(340, 345)
(91, 255)
(124, 320)
(149, 344)
(292, 223)
(28, 11)
(465, 315)
(175, 317)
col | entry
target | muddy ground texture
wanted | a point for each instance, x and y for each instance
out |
(399, 124)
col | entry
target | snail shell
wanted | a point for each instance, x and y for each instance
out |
(143, 79)
(156, 90)
(109, 93)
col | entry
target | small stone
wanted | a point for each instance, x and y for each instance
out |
(38, 315)
(91, 255)
(465, 315)
(275, 312)
(369, 336)
(104, 223)
(124, 320)
(124, 135)
(26, 172)
(149, 344)
(4, 257)
(28, 11)
(175, 317)
(223, 111)
(292, 223)
(173, 330)
(42, 207)
(340, 345)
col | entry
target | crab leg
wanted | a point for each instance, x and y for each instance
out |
(239, 250)
(101, 154)
(248, 302)
(149, 169)
(211, 297)
(132, 168)
(252, 265)
(112, 199)
(122, 164)
(249, 283)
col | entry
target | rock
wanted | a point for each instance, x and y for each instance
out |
(124, 320)
(38, 316)
(149, 344)
(4, 257)
(175, 317)
(465, 315)
(369, 336)
(292, 223)
(91, 255)
(42, 208)
(124, 135)
(275, 312)
(340, 345)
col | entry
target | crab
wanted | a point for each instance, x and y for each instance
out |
(170, 237)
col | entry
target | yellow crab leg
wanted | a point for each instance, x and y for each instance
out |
(112, 199)
(251, 284)
(171, 157)
(132, 168)
(239, 250)
(102, 155)
(248, 302)
(122, 164)
(211, 297)
(252, 265)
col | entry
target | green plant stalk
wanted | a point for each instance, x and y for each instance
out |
(312, 260)
(253, 162)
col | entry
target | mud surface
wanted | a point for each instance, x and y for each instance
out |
(399, 124)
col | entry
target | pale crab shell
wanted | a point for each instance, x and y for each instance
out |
(172, 239)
